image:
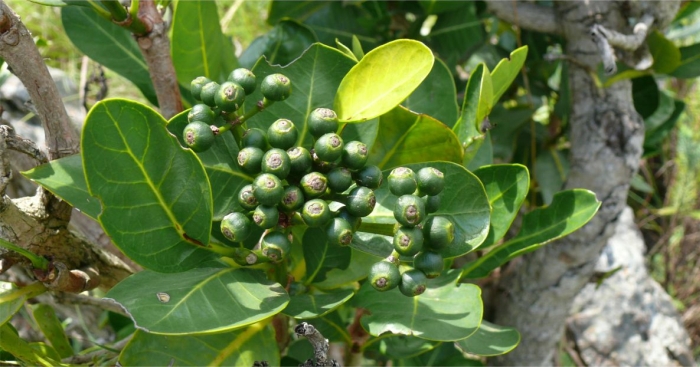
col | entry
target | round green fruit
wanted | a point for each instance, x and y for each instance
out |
(430, 263)
(355, 154)
(339, 232)
(266, 216)
(235, 227)
(276, 87)
(432, 203)
(292, 200)
(275, 246)
(246, 198)
(439, 232)
(250, 159)
(201, 112)
(353, 220)
(282, 134)
(229, 97)
(243, 77)
(314, 184)
(409, 210)
(316, 213)
(329, 147)
(300, 160)
(198, 136)
(322, 121)
(208, 94)
(408, 241)
(339, 179)
(268, 189)
(196, 87)
(413, 283)
(402, 181)
(254, 138)
(384, 276)
(430, 181)
(276, 161)
(360, 202)
(369, 176)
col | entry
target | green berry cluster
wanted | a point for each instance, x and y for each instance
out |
(419, 236)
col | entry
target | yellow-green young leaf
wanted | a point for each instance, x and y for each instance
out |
(156, 200)
(490, 340)
(11, 300)
(478, 100)
(308, 306)
(667, 56)
(23, 351)
(198, 301)
(233, 348)
(506, 71)
(345, 49)
(50, 325)
(382, 79)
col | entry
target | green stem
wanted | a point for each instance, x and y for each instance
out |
(116, 9)
(134, 9)
(37, 261)
(100, 10)
(221, 250)
(27, 292)
(377, 228)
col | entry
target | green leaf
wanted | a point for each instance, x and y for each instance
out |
(23, 351)
(108, 44)
(662, 113)
(654, 137)
(436, 96)
(569, 211)
(478, 99)
(51, 327)
(233, 348)
(667, 57)
(406, 137)
(281, 45)
(345, 49)
(309, 306)
(65, 178)
(156, 200)
(382, 79)
(299, 10)
(62, 3)
(463, 201)
(483, 156)
(11, 300)
(506, 187)
(315, 77)
(220, 163)
(357, 48)
(490, 340)
(198, 47)
(342, 20)
(445, 354)
(447, 311)
(398, 346)
(332, 327)
(457, 33)
(438, 6)
(322, 256)
(360, 264)
(506, 71)
(551, 170)
(203, 300)
(689, 67)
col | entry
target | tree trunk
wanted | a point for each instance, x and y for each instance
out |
(607, 134)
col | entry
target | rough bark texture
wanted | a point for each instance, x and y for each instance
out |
(606, 144)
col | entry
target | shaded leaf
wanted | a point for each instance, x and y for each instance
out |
(322, 256)
(446, 354)
(332, 327)
(506, 71)
(23, 351)
(654, 137)
(478, 99)
(663, 112)
(51, 327)
(456, 34)
(689, 67)
(309, 306)
(490, 340)
(365, 132)
(438, 6)
(360, 264)
(280, 46)
(203, 300)
(398, 346)
(667, 57)
(11, 300)
(551, 170)
(342, 20)
(299, 10)
(483, 155)
(156, 200)
(436, 96)
(62, 3)
(569, 211)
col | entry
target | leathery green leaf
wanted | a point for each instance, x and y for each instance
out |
(322, 256)
(490, 340)
(569, 211)
(436, 96)
(65, 178)
(399, 346)
(233, 348)
(202, 300)
(156, 200)
(478, 99)
(447, 311)
(281, 45)
(11, 300)
(406, 137)
(506, 71)
(308, 306)
(382, 79)
(463, 201)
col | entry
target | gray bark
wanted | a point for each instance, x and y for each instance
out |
(536, 293)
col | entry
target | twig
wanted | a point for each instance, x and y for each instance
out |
(319, 343)
(605, 39)
(89, 357)
(529, 16)
(79, 299)
(20, 144)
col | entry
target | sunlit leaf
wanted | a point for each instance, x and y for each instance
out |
(490, 340)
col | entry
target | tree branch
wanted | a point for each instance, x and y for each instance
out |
(605, 39)
(320, 344)
(528, 16)
(19, 144)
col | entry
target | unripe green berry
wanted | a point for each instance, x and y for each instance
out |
(329, 147)
(361, 201)
(244, 257)
(355, 154)
(276, 87)
(229, 97)
(314, 185)
(275, 246)
(276, 162)
(300, 160)
(339, 232)
(432, 203)
(316, 213)
(266, 216)
(282, 134)
(409, 210)
(408, 241)
(292, 200)
(439, 232)
(384, 276)
(250, 159)
(369, 176)
(402, 181)
(429, 262)
(208, 94)
(245, 78)
(246, 198)
(201, 112)
(235, 227)
(254, 138)
(353, 220)
(413, 283)
(198, 136)
(196, 87)
(430, 181)
(339, 179)
(322, 121)
(268, 189)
